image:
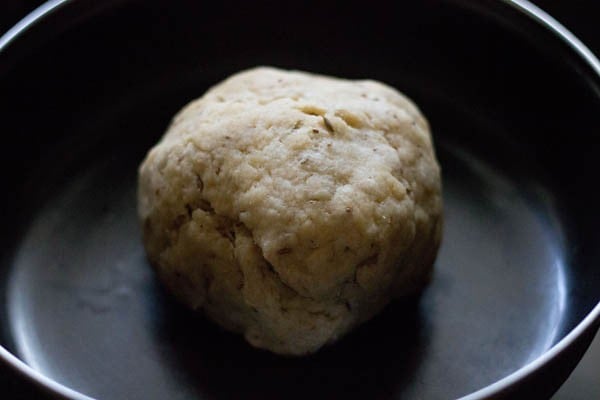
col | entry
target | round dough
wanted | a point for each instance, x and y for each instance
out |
(291, 207)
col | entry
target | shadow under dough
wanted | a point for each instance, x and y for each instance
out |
(377, 360)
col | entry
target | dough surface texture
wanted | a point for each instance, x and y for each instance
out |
(291, 207)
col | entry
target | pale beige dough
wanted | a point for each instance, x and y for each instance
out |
(291, 207)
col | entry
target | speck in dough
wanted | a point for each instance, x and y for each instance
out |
(291, 207)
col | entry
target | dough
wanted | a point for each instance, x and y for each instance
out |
(291, 207)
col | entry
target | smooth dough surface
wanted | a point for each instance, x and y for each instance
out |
(291, 207)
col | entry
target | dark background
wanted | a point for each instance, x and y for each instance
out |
(580, 16)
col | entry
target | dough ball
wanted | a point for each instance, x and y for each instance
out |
(291, 207)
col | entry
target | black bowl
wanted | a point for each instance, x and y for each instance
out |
(513, 99)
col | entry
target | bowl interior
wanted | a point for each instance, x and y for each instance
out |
(510, 111)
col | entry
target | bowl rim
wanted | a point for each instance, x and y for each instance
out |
(590, 322)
